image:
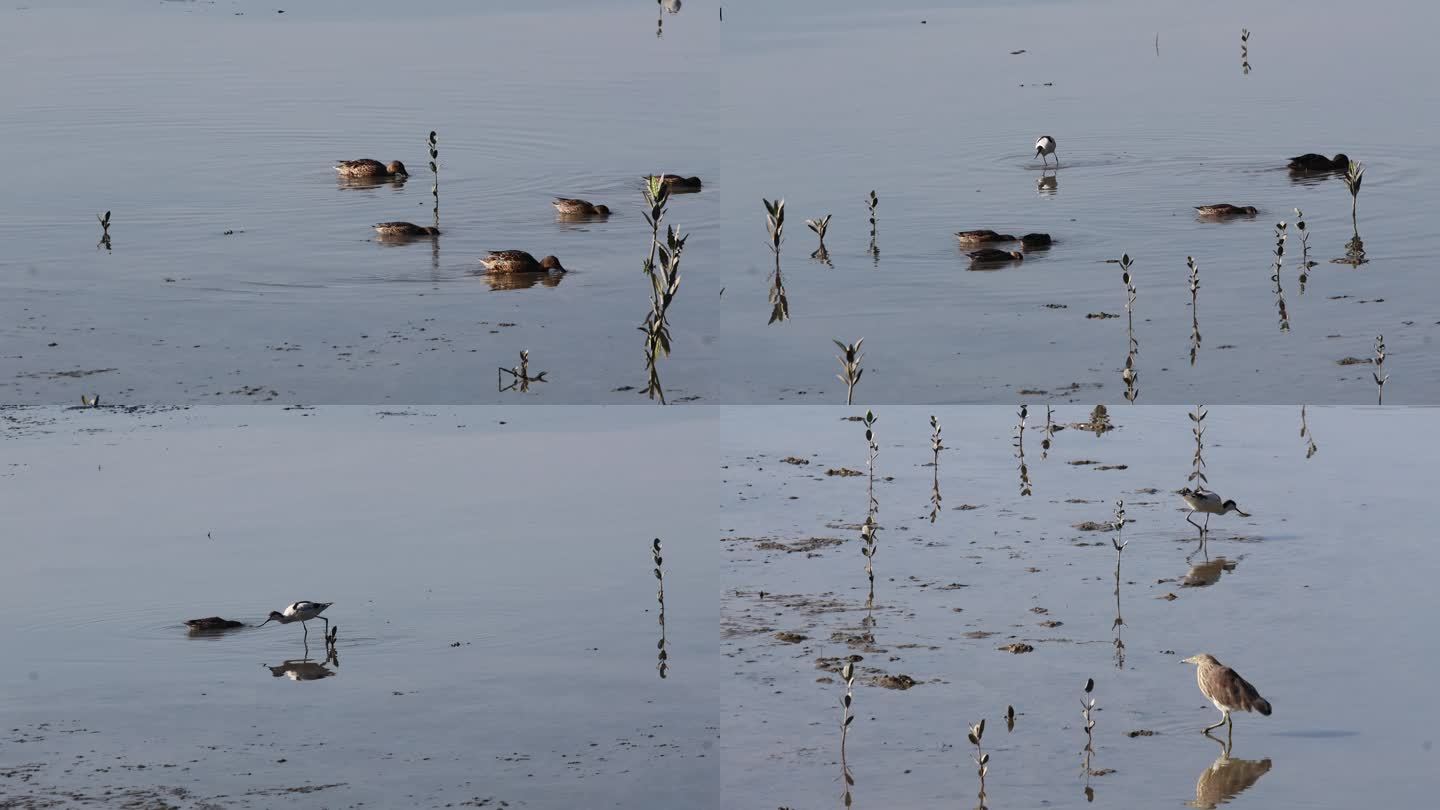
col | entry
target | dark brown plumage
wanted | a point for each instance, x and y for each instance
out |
(1034, 240)
(212, 623)
(1226, 689)
(1227, 210)
(404, 230)
(980, 237)
(1311, 162)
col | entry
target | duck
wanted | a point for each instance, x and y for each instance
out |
(518, 261)
(1035, 240)
(212, 623)
(579, 208)
(365, 167)
(980, 237)
(403, 230)
(992, 255)
(1311, 162)
(675, 182)
(1227, 210)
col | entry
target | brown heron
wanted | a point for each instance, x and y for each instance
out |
(1226, 689)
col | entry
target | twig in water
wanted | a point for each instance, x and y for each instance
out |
(775, 224)
(982, 759)
(1194, 307)
(1119, 542)
(1305, 262)
(520, 375)
(1275, 275)
(1020, 452)
(104, 230)
(1310, 447)
(872, 204)
(935, 447)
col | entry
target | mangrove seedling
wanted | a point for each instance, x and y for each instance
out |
(850, 370)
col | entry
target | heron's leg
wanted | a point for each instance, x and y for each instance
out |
(1225, 717)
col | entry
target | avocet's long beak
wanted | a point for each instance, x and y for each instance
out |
(1241, 514)
(267, 621)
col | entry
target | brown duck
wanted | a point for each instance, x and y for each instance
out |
(676, 182)
(365, 167)
(1035, 240)
(1227, 210)
(518, 261)
(579, 208)
(404, 230)
(980, 237)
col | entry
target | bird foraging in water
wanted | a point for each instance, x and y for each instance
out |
(1035, 240)
(365, 167)
(518, 261)
(1227, 210)
(579, 208)
(1208, 503)
(1226, 689)
(980, 237)
(1046, 146)
(677, 183)
(989, 255)
(1311, 162)
(300, 612)
(403, 230)
(212, 623)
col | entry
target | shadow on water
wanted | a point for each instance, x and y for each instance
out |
(304, 669)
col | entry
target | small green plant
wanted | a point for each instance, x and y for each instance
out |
(1197, 478)
(663, 658)
(1020, 452)
(1280, 236)
(1050, 428)
(935, 447)
(982, 759)
(1310, 447)
(1245, 51)
(1119, 542)
(1354, 176)
(104, 230)
(1194, 307)
(1130, 374)
(1087, 709)
(1009, 718)
(869, 421)
(847, 674)
(872, 203)
(819, 226)
(434, 145)
(775, 224)
(1305, 261)
(1379, 373)
(850, 370)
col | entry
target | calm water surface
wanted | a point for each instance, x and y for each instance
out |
(493, 591)
(1322, 599)
(188, 121)
(825, 101)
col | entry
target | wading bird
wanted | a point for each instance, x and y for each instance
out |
(300, 612)
(1046, 146)
(1210, 504)
(1226, 689)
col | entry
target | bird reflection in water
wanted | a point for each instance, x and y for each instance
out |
(521, 281)
(1226, 778)
(1207, 573)
(396, 182)
(305, 669)
(1047, 183)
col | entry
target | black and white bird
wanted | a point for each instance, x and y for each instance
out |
(1210, 504)
(1046, 146)
(300, 612)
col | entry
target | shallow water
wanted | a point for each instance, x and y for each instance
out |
(1325, 608)
(493, 593)
(197, 122)
(825, 101)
